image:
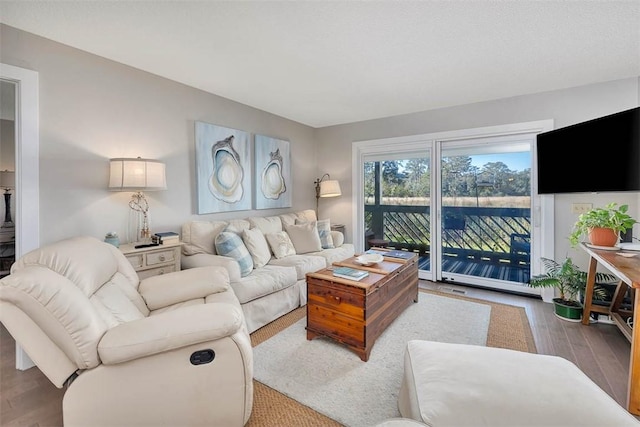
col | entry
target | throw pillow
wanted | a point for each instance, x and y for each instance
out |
(231, 245)
(258, 247)
(324, 231)
(305, 237)
(280, 244)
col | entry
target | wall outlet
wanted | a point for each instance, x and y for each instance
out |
(578, 208)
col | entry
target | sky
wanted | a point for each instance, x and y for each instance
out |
(515, 161)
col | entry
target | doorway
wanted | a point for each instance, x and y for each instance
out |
(7, 174)
(27, 194)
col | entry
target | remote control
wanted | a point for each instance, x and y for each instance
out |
(148, 245)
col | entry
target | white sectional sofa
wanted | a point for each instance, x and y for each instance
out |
(274, 282)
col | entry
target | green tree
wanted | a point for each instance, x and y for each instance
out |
(369, 181)
(416, 170)
(456, 172)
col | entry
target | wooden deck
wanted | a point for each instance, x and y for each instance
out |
(491, 270)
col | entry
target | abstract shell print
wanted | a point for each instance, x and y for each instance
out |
(272, 173)
(223, 169)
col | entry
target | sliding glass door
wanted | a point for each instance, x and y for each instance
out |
(485, 204)
(462, 203)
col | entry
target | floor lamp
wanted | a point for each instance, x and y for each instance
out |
(8, 182)
(137, 175)
(326, 187)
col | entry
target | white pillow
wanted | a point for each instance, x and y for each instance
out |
(258, 247)
(305, 237)
(280, 244)
(324, 231)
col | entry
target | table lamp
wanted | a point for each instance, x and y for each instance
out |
(326, 187)
(137, 175)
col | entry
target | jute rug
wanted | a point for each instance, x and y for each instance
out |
(508, 328)
(333, 380)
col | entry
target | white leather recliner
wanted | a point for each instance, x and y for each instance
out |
(169, 350)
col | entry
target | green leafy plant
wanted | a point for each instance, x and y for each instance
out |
(611, 216)
(568, 279)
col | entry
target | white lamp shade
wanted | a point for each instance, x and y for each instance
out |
(330, 188)
(137, 175)
(7, 179)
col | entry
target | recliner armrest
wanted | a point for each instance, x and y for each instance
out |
(168, 331)
(184, 285)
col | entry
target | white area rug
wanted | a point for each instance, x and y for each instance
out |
(332, 379)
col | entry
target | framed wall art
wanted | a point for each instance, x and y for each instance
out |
(223, 169)
(272, 172)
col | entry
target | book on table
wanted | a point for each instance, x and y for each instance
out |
(350, 273)
(164, 238)
(167, 234)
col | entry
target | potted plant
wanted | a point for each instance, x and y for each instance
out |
(569, 280)
(602, 225)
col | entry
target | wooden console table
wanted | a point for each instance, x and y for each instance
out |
(627, 269)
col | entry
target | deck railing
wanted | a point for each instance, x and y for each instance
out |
(495, 235)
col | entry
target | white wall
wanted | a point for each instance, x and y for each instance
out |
(565, 107)
(93, 109)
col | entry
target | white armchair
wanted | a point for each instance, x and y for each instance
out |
(167, 350)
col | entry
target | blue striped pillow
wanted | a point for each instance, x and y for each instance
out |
(231, 245)
(324, 231)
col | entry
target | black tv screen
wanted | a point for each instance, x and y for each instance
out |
(599, 155)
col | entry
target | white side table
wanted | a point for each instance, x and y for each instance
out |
(154, 260)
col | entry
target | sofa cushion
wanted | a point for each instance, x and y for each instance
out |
(198, 237)
(304, 237)
(231, 245)
(280, 244)
(263, 281)
(257, 246)
(238, 225)
(288, 219)
(268, 224)
(303, 264)
(336, 254)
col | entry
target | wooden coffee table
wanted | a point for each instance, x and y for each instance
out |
(355, 313)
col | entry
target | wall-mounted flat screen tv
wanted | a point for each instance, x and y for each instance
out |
(599, 155)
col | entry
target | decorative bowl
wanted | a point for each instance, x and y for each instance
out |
(369, 259)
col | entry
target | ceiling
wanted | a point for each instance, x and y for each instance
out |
(323, 63)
